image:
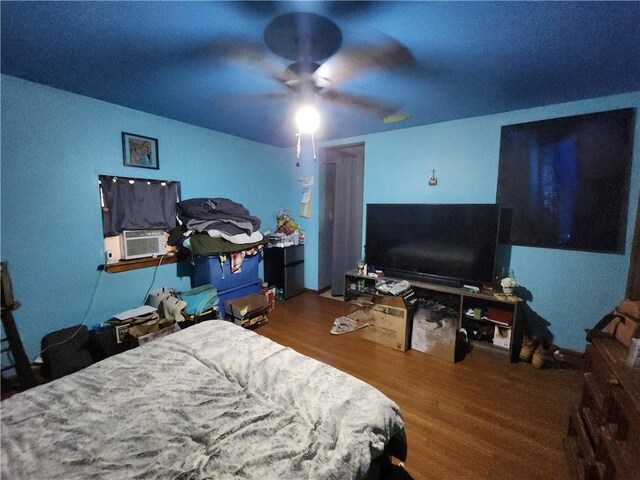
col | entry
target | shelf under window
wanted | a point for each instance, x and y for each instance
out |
(126, 265)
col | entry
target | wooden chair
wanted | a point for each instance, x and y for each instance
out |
(12, 340)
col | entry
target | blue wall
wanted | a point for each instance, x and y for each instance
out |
(571, 290)
(54, 146)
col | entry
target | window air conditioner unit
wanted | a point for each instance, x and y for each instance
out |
(142, 243)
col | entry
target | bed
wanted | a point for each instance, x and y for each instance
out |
(210, 401)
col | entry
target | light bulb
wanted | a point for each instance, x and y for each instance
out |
(307, 119)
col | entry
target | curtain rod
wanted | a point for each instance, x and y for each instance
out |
(137, 179)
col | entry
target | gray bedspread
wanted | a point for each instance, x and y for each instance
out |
(211, 401)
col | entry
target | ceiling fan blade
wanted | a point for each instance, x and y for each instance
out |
(350, 9)
(257, 8)
(250, 54)
(381, 109)
(352, 61)
(241, 100)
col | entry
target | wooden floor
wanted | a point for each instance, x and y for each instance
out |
(482, 418)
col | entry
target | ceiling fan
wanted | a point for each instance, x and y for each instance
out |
(320, 62)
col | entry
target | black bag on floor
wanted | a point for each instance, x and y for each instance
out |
(65, 351)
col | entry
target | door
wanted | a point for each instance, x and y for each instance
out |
(633, 278)
(325, 246)
(342, 175)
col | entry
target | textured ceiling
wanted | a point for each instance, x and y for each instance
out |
(472, 58)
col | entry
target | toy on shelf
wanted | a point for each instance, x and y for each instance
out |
(287, 231)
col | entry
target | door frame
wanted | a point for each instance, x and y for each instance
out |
(325, 227)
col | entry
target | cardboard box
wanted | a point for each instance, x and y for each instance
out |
(158, 334)
(249, 311)
(434, 331)
(121, 332)
(387, 319)
(211, 314)
(270, 295)
(252, 322)
(245, 306)
(502, 336)
(123, 321)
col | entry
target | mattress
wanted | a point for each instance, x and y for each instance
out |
(210, 401)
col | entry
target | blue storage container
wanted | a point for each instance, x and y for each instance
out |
(236, 293)
(209, 270)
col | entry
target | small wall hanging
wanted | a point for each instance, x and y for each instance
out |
(139, 151)
(433, 181)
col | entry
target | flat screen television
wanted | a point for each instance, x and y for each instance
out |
(564, 182)
(435, 243)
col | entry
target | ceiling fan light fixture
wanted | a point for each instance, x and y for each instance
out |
(307, 119)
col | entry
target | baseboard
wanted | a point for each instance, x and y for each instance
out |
(573, 359)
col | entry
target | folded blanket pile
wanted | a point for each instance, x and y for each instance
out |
(217, 226)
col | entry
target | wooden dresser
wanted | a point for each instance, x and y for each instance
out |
(603, 439)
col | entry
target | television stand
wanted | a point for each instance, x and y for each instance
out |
(446, 281)
(492, 315)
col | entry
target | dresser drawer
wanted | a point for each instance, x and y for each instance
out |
(621, 422)
(615, 459)
(602, 377)
(578, 432)
(592, 425)
(578, 466)
(592, 396)
(603, 439)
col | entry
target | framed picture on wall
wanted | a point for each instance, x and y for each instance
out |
(139, 151)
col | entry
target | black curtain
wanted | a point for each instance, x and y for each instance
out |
(137, 204)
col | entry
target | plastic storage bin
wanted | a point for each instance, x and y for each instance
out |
(209, 270)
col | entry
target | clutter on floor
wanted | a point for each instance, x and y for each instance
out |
(65, 351)
(435, 327)
(270, 294)
(541, 355)
(346, 324)
(140, 325)
(199, 300)
(250, 311)
(382, 321)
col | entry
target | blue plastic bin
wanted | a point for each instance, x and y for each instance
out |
(237, 292)
(208, 270)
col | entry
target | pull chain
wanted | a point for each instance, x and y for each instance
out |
(313, 142)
